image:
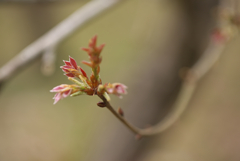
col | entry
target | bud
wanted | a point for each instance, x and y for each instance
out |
(106, 96)
(93, 53)
(116, 88)
(101, 104)
(101, 89)
(71, 69)
(62, 91)
(120, 111)
(138, 137)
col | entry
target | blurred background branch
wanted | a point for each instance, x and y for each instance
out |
(35, 1)
(54, 36)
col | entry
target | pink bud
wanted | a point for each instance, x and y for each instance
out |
(62, 91)
(117, 89)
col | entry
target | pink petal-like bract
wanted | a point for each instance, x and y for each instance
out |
(56, 95)
(66, 93)
(117, 89)
(62, 90)
(110, 90)
(57, 89)
(121, 88)
(57, 98)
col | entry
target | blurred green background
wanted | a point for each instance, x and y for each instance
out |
(32, 128)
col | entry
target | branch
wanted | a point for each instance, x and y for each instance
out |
(55, 36)
(34, 1)
(203, 65)
(48, 61)
(121, 118)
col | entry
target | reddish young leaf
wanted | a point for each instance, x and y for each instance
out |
(100, 48)
(67, 63)
(93, 42)
(65, 67)
(86, 49)
(73, 62)
(65, 70)
(87, 63)
(83, 72)
(89, 83)
(70, 75)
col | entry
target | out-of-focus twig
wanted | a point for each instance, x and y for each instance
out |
(203, 65)
(54, 36)
(34, 1)
(48, 61)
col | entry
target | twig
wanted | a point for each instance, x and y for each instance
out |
(48, 61)
(55, 35)
(121, 118)
(34, 1)
(203, 65)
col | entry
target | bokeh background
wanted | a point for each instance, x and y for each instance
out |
(147, 43)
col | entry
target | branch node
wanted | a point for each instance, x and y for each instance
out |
(120, 111)
(138, 137)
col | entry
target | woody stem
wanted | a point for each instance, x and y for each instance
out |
(121, 118)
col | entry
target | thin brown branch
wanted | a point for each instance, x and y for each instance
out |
(55, 36)
(203, 65)
(121, 118)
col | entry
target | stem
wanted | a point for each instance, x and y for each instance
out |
(122, 119)
(94, 70)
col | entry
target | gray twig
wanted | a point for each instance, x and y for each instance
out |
(55, 35)
(48, 61)
(34, 1)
